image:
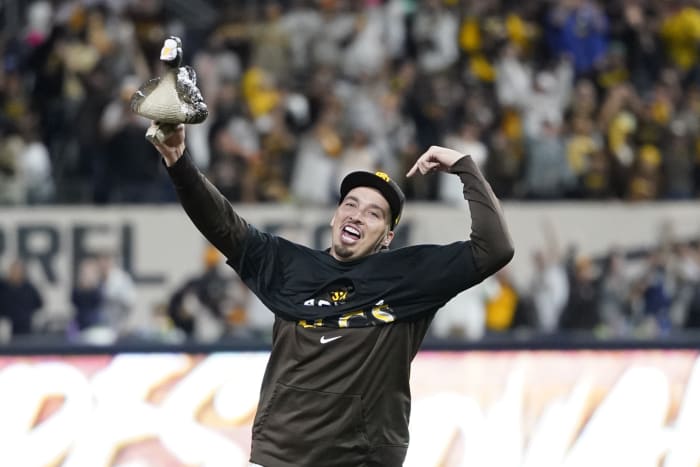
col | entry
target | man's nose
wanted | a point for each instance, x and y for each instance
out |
(355, 217)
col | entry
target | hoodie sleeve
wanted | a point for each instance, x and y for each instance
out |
(208, 209)
(491, 243)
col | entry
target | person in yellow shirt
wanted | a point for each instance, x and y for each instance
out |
(501, 309)
(680, 33)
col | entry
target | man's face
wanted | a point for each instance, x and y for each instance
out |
(360, 224)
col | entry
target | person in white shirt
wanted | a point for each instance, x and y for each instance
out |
(118, 292)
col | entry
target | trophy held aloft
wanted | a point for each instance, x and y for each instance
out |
(171, 99)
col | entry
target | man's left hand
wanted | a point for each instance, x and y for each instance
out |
(436, 158)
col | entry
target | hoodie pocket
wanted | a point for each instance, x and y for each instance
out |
(313, 427)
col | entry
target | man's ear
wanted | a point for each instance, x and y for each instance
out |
(388, 238)
(332, 221)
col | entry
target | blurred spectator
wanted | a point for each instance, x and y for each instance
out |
(235, 143)
(644, 181)
(302, 23)
(617, 119)
(25, 167)
(278, 152)
(435, 35)
(365, 54)
(615, 283)
(464, 317)
(428, 106)
(11, 187)
(692, 320)
(316, 163)
(581, 310)
(118, 292)
(634, 27)
(585, 157)
(541, 98)
(550, 285)
(613, 69)
(19, 299)
(502, 307)
(677, 163)
(548, 174)
(505, 161)
(360, 154)
(210, 304)
(218, 68)
(467, 140)
(363, 105)
(271, 42)
(87, 297)
(39, 20)
(585, 102)
(685, 267)
(657, 287)
(36, 169)
(680, 32)
(578, 28)
(335, 31)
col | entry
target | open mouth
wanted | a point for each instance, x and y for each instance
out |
(350, 234)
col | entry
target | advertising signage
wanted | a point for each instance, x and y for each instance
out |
(519, 408)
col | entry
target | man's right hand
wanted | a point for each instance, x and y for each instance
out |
(173, 146)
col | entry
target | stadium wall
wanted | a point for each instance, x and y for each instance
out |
(160, 248)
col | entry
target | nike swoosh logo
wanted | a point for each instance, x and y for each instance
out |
(330, 339)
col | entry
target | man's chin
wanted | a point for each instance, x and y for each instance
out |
(347, 253)
(343, 252)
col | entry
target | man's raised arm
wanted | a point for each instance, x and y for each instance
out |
(491, 244)
(208, 209)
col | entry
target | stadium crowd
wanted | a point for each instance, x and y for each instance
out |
(570, 99)
(644, 294)
(566, 99)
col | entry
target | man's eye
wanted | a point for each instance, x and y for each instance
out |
(374, 214)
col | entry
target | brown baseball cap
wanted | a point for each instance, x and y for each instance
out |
(380, 181)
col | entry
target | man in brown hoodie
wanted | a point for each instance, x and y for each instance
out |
(350, 319)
